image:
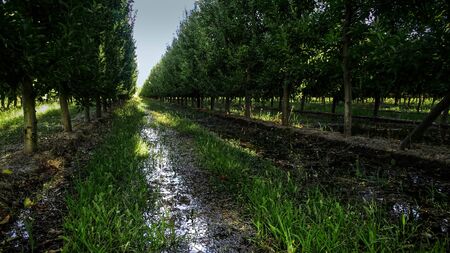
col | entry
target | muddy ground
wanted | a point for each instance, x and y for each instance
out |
(33, 189)
(415, 183)
(205, 219)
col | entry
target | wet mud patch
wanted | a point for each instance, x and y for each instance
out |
(204, 219)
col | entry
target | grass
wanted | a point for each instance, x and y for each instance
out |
(287, 215)
(48, 117)
(111, 197)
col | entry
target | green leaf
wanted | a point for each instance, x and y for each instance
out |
(7, 171)
(27, 203)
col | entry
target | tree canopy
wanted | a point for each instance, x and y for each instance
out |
(255, 48)
(79, 49)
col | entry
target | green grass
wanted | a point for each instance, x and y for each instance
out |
(48, 117)
(106, 210)
(288, 216)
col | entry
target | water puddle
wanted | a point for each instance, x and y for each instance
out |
(201, 225)
(411, 211)
(18, 236)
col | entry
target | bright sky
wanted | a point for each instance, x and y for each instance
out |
(156, 25)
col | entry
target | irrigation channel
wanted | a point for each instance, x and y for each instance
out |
(204, 219)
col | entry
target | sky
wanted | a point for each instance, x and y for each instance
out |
(156, 25)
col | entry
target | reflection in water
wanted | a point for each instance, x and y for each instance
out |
(201, 229)
(406, 209)
(444, 226)
(19, 230)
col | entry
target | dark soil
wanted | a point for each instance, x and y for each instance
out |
(44, 179)
(414, 182)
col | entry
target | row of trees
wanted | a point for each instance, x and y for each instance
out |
(83, 50)
(344, 49)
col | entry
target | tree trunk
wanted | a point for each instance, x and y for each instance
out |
(302, 103)
(98, 107)
(334, 105)
(199, 102)
(213, 103)
(419, 103)
(271, 102)
(87, 114)
(346, 69)
(65, 113)
(443, 125)
(104, 105)
(280, 102)
(248, 105)
(227, 105)
(285, 107)
(29, 114)
(376, 107)
(418, 132)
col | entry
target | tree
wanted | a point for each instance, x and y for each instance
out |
(50, 45)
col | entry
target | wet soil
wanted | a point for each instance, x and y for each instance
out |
(414, 183)
(204, 219)
(33, 191)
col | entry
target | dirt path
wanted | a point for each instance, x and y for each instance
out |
(205, 219)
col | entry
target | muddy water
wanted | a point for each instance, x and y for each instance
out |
(204, 220)
(17, 238)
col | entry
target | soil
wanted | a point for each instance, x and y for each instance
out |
(414, 182)
(205, 219)
(32, 203)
